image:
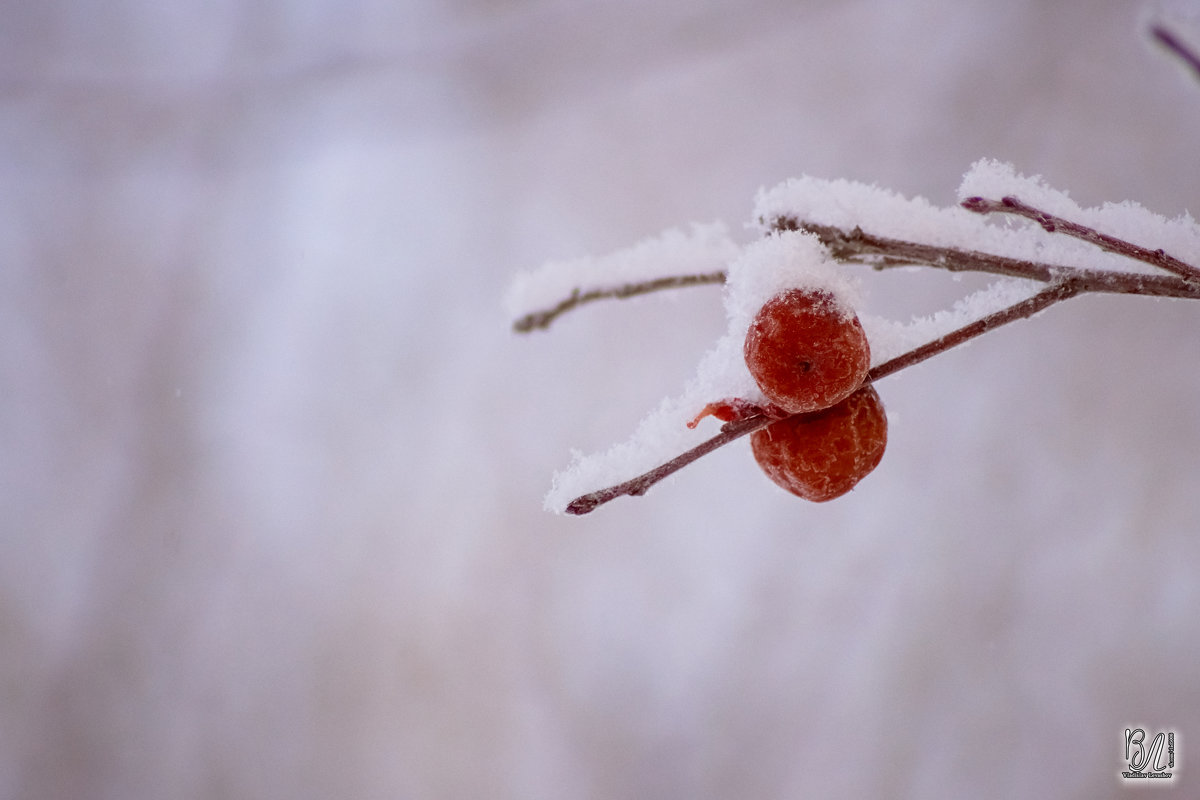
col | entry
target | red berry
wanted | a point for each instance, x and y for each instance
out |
(822, 455)
(805, 351)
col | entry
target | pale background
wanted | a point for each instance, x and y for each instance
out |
(271, 462)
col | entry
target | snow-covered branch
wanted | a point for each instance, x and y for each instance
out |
(858, 246)
(813, 226)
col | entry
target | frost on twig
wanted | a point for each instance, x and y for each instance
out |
(671, 260)
(811, 227)
(1055, 224)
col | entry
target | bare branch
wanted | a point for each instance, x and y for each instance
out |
(856, 246)
(1053, 224)
(642, 483)
(859, 247)
(542, 319)
(1180, 50)
(1026, 308)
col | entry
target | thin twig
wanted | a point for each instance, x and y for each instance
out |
(735, 430)
(1181, 51)
(858, 246)
(642, 483)
(1047, 297)
(542, 319)
(1054, 224)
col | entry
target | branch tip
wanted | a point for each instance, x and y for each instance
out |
(1111, 244)
(542, 319)
(1176, 46)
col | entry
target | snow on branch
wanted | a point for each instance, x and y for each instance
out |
(671, 260)
(1042, 244)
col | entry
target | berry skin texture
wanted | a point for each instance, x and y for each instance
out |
(805, 352)
(822, 455)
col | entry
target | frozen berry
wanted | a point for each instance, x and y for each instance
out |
(806, 351)
(822, 455)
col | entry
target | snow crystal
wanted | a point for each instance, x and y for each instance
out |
(702, 249)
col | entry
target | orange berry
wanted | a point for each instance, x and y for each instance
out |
(806, 352)
(822, 455)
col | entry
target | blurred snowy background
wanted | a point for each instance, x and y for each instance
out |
(272, 463)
